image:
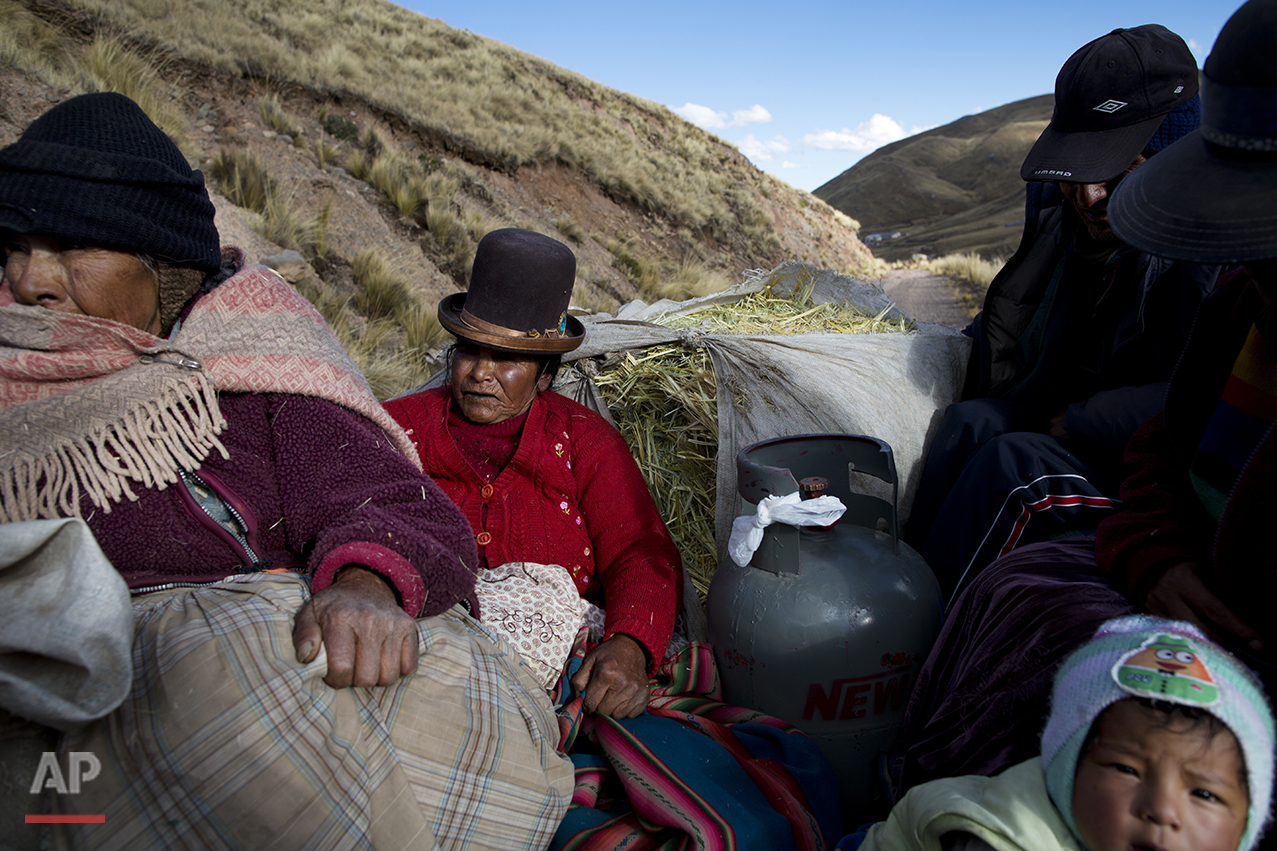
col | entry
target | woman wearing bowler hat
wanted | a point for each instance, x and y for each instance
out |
(578, 572)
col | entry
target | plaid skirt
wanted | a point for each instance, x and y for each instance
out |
(226, 741)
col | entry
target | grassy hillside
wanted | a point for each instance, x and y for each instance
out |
(951, 187)
(498, 107)
(382, 145)
(990, 230)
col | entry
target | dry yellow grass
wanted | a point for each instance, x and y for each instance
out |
(280, 120)
(388, 333)
(971, 268)
(245, 182)
(105, 65)
(663, 400)
(35, 46)
(971, 275)
(381, 291)
(691, 278)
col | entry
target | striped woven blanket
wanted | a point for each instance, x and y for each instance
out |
(691, 772)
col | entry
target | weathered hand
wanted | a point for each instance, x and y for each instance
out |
(1057, 429)
(1181, 594)
(370, 640)
(614, 678)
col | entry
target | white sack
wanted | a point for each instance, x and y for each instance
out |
(66, 625)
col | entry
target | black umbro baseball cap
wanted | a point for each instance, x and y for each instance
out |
(1110, 98)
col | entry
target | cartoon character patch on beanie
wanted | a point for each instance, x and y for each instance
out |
(1144, 657)
(1167, 667)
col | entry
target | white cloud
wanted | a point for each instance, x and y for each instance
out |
(756, 150)
(708, 118)
(756, 114)
(702, 116)
(788, 164)
(868, 136)
(1196, 46)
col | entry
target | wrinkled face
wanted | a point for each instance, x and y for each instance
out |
(1149, 785)
(490, 386)
(90, 281)
(1091, 202)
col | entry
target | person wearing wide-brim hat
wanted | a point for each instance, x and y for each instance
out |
(570, 538)
(508, 450)
(1212, 196)
(1194, 541)
(1078, 333)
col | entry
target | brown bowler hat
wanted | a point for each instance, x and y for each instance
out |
(520, 288)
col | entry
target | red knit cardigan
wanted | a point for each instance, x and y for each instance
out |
(572, 495)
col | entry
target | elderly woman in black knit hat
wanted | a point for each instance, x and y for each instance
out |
(578, 572)
(271, 521)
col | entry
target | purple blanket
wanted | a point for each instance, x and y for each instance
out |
(983, 694)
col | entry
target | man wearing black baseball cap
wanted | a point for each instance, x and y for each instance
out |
(1118, 100)
(1079, 332)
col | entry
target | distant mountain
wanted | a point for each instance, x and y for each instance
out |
(952, 188)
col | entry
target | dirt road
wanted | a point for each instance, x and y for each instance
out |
(924, 296)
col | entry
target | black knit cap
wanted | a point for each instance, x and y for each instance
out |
(520, 288)
(96, 170)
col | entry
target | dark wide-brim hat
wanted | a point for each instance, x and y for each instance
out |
(1212, 196)
(96, 170)
(520, 289)
(1111, 97)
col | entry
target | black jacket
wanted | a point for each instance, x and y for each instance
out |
(1097, 338)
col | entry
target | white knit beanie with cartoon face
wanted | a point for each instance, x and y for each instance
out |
(1146, 657)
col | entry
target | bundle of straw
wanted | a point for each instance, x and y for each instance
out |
(664, 402)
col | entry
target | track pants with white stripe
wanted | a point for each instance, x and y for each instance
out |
(993, 482)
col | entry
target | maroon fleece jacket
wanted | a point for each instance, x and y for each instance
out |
(319, 487)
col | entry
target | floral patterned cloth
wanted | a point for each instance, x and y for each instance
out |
(536, 608)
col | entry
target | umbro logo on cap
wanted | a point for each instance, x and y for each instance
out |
(1110, 106)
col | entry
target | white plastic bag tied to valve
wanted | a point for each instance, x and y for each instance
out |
(791, 509)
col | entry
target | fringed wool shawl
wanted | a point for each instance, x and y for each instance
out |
(92, 406)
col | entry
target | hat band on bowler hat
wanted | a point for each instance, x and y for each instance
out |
(501, 331)
(1239, 117)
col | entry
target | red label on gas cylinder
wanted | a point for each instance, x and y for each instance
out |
(849, 698)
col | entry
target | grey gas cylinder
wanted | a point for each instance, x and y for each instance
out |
(826, 627)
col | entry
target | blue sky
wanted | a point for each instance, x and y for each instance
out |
(806, 88)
